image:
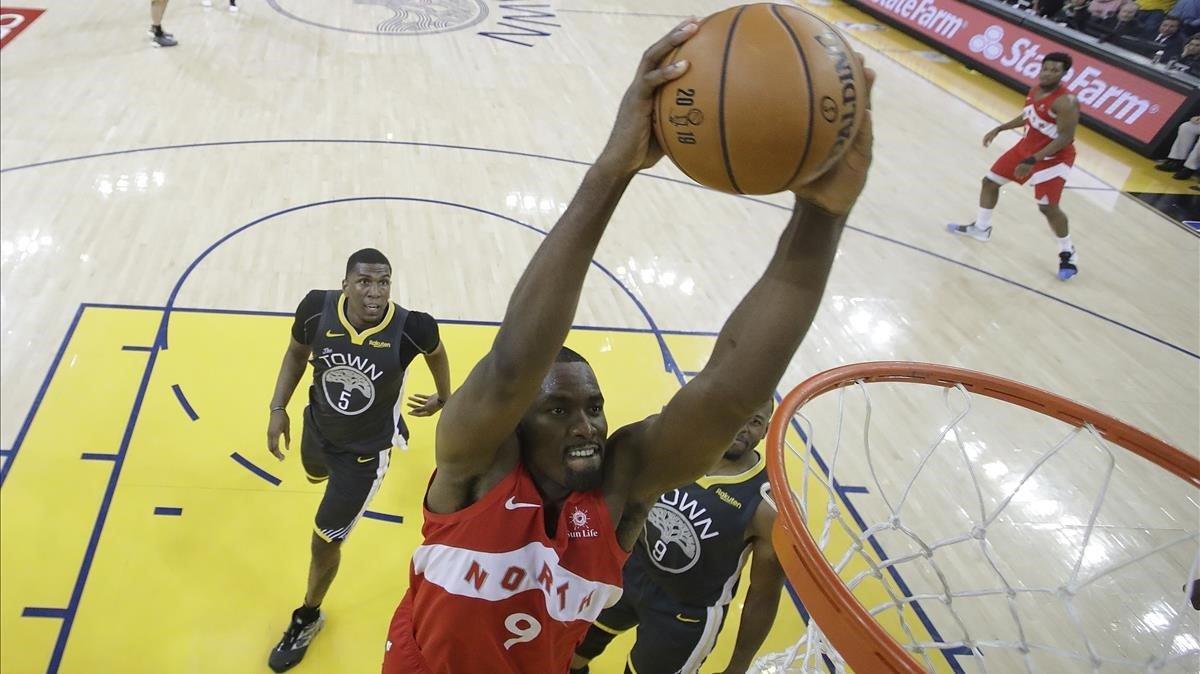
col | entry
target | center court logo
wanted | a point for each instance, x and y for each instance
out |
(385, 17)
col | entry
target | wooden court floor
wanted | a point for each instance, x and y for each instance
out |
(163, 211)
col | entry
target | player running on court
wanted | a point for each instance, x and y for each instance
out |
(1043, 158)
(361, 344)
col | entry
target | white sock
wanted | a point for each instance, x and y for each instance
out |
(983, 221)
(1064, 244)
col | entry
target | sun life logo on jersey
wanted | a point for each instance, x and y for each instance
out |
(579, 525)
(988, 43)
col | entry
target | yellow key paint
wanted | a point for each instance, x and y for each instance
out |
(211, 590)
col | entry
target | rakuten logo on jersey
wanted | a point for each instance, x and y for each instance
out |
(1024, 57)
(925, 13)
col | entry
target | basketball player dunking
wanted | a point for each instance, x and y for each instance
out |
(1043, 158)
(686, 565)
(361, 344)
(533, 508)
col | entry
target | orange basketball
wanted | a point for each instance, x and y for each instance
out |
(773, 95)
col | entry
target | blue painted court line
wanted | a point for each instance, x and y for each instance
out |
(255, 469)
(89, 554)
(168, 511)
(5, 452)
(853, 489)
(187, 407)
(383, 517)
(129, 347)
(41, 394)
(39, 612)
(95, 456)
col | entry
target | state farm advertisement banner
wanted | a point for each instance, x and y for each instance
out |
(1107, 93)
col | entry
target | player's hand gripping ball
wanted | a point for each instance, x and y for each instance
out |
(772, 99)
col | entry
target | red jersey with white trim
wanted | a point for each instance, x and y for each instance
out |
(491, 591)
(1041, 124)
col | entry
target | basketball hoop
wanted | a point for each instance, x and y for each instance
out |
(829, 576)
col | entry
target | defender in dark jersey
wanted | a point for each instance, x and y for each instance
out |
(360, 345)
(685, 568)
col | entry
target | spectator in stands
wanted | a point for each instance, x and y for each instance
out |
(1103, 9)
(1167, 38)
(1047, 8)
(1126, 23)
(1189, 59)
(1154, 10)
(1188, 12)
(1184, 158)
(1074, 14)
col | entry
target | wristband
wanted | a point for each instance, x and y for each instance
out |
(279, 408)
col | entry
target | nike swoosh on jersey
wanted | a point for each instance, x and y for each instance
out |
(331, 333)
(512, 504)
(683, 619)
(364, 459)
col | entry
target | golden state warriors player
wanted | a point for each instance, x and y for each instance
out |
(360, 344)
(685, 568)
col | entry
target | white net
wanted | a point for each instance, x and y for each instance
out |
(985, 537)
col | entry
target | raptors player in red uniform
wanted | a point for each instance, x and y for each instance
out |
(534, 506)
(1043, 158)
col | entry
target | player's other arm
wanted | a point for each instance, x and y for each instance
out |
(758, 340)
(295, 360)
(762, 598)
(1066, 111)
(484, 411)
(1014, 123)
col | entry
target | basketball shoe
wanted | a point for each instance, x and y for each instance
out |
(291, 648)
(1066, 265)
(970, 230)
(162, 38)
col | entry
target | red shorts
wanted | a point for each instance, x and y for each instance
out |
(1049, 176)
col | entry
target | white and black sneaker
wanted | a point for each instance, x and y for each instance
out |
(1067, 262)
(970, 230)
(291, 648)
(162, 39)
(233, 6)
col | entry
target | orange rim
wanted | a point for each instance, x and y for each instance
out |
(859, 639)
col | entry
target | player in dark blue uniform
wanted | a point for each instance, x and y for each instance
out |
(685, 568)
(360, 344)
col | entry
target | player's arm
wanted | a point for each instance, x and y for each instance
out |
(484, 411)
(758, 340)
(434, 350)
(762, 598)
(1014, 123)
(295, 360)
(1066, 111)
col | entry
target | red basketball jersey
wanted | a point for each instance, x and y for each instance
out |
(1041, 124)
(490, 591)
